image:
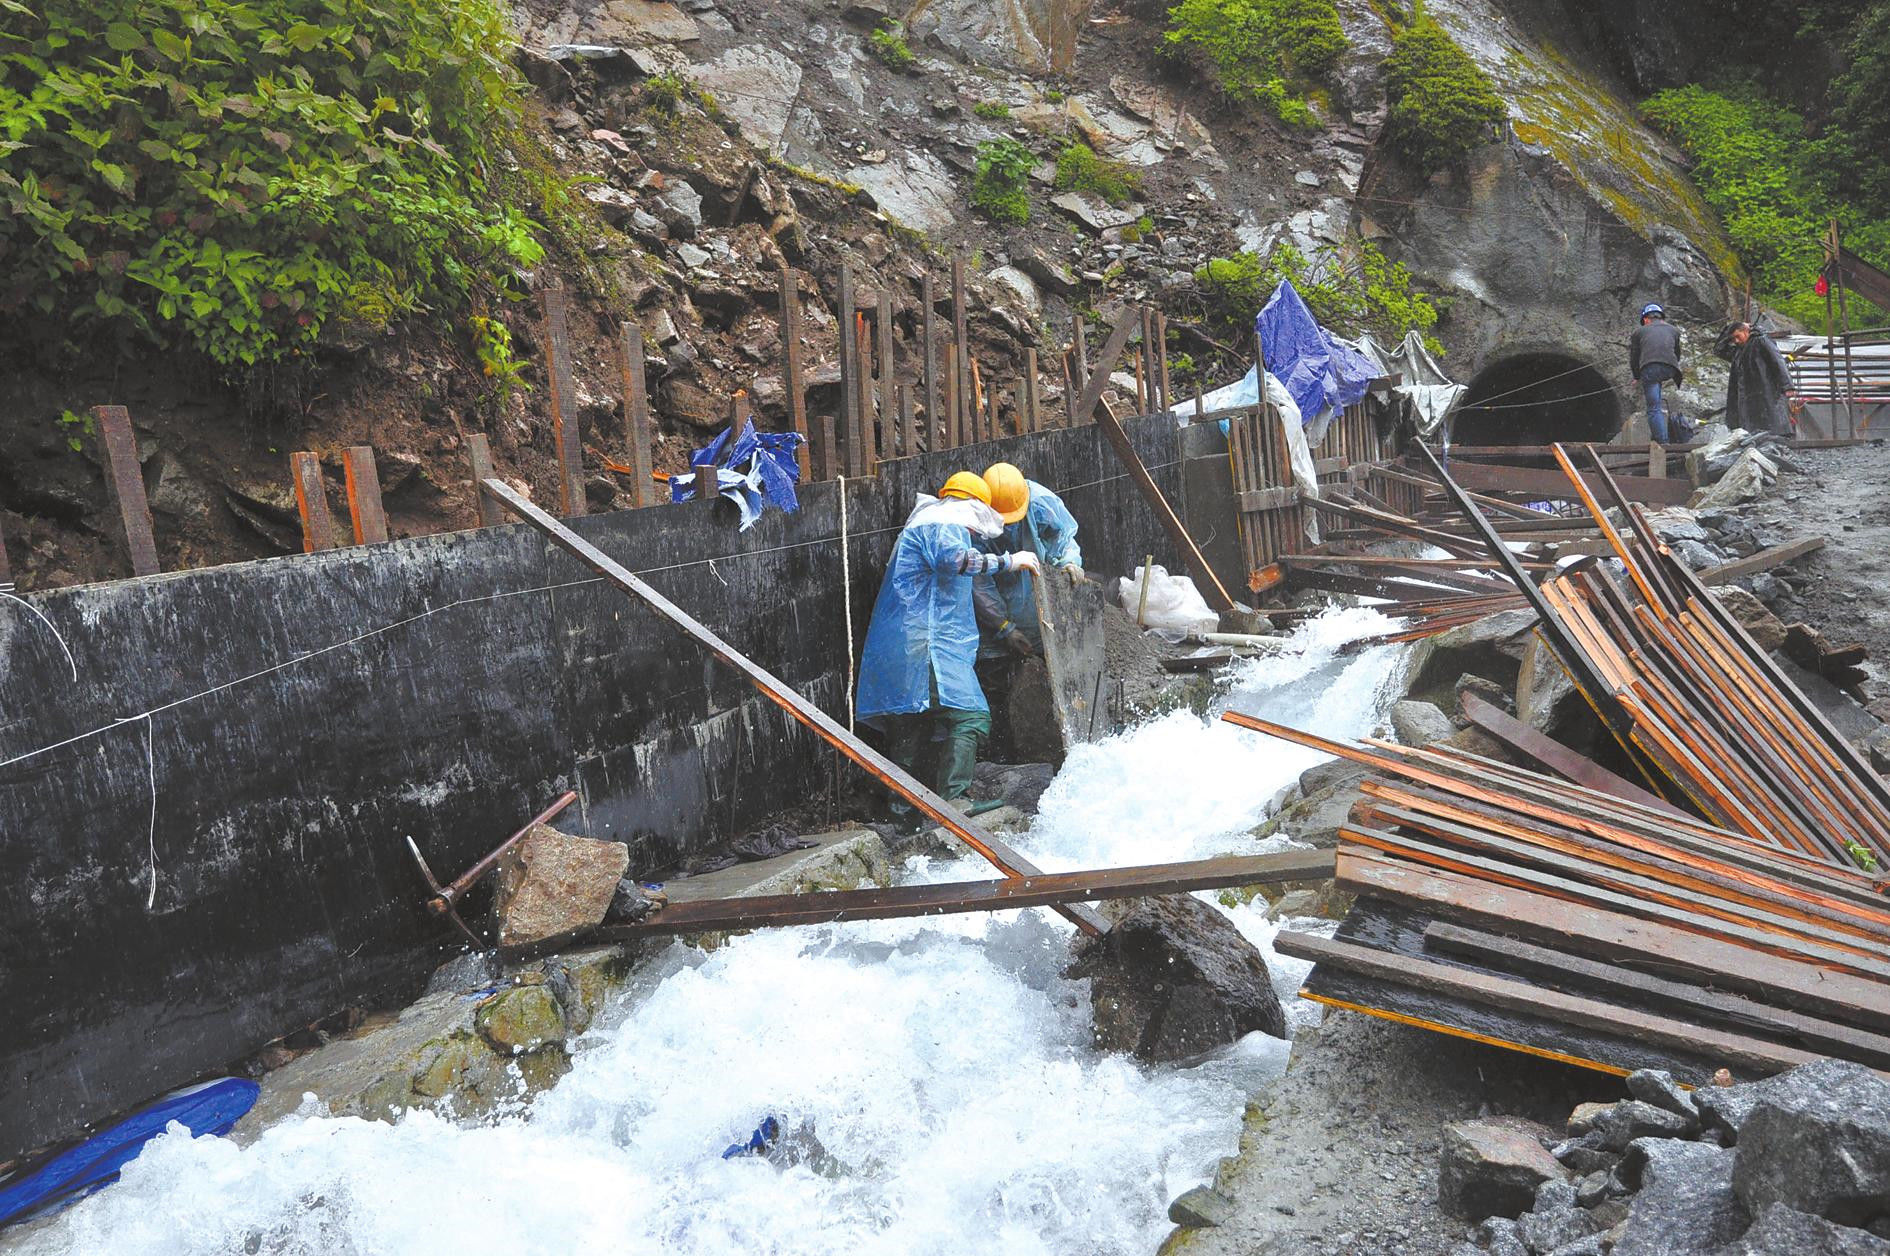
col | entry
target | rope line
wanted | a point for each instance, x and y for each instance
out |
(260, 673)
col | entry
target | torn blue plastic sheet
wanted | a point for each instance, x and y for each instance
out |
(757, 470)
(1320, 371)
(758, 1142)
(209, 1108)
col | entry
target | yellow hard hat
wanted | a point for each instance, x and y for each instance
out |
(1010, 491)
(965, 484)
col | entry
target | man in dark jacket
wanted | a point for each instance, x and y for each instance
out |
(1654, 361)
(1758, 382)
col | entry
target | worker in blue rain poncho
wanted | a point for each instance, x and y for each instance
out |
(918, 683)
(1035, 522)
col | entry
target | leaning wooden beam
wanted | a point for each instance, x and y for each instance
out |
(1039, 890)
(1553, 755)
(1494, 476)
(311, 502)
(561, 390)
(1006, 860)
(1764, 560)
(365, 512)
(1209, 583)
(1737, 1050)
(126, 482)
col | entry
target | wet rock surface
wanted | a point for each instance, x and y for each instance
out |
(1174, 978)
(1493, 1166)
(552, 883)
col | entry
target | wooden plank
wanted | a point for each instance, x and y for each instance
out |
(949, 430)
(1764, 560)
(1558, 967)
(1035, 890)
(311, 502)
(1553, 484)
(961, 418)
(124, 477)
(1555, 756)
(852, 433)
(888, 371)
(1275, 498)
(1620, 938)
(364, 495)
(813, 453)
(1027, 395)
(1205, 579)
(479, 453)
(1070, 622)
(636, 412)
(896, 778)
(908, 429)
(1739, 1051)
(561, 392)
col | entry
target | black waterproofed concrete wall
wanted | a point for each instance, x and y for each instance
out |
(489, 674)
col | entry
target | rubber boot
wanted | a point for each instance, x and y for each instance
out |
(957, 764)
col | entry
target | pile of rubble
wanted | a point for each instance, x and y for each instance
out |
(1797, 1163)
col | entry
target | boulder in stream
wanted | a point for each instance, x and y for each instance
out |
(1175, 978)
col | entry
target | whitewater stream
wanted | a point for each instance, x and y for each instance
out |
(944, 1065)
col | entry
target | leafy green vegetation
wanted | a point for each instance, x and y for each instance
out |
(1000, 186)
(234, 176)
(889, 45)
(992, 110)
(1269, 52)
(1442, 105)
(1351, 289)
(1054, 96)
(1775, 189)
(1080, 169)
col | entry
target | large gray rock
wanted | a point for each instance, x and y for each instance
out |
(1419, 723)
(1765, 628)
(1819, 1141)
(1492, 1166)
(755, 85)
(914, 188)
(1201, 1208)
(554, 883)
(1782, 1231)
(1038, 36)
(1491, 647)
(1657, 1087)
(1554, 1229)
(1174, 978)
(1685, 1205)
(1621, 1123)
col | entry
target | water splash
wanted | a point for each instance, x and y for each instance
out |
(945, 1065)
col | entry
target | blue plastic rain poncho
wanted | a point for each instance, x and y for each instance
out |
(923, 628)
(1049, 531)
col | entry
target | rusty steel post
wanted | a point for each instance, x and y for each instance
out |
(364, 495)
(311, 502)
(125, 478)
(562, 393)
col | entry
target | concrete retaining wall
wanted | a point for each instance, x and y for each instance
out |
(487, 677)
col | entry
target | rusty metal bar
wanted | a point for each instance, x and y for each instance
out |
(311, 502)
(1006, 860)
(562, 393)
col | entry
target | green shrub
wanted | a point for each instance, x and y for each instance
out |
(992, 110)
(236, 175)
(1000, 187)
(1442, 106)
(1054, 96)
(1265, 51)
(1774, 189)
(890, 46)
(1351, 289)
(1079, 169)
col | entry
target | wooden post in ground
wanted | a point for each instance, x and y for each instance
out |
(991, 428)
(125, 478)
(963, 338)
(948, 418)
(888, 370)
(1069, 389)
(863, 372)
(1032, 421)
(562, 390)
(930, 368)
(791, 377)
(636, 414)
(849, 368)
(974, 403)
(1656, 460)
(311, 502)
(1080, 346)
(364, 495)
(1161, 357)
(479, 452)
(908, 430)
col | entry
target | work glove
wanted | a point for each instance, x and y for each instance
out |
(1024, 560)
(1018, 644)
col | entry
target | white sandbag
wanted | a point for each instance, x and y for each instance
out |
(1174, 604)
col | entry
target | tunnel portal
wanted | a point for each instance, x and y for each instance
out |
(1537, 398)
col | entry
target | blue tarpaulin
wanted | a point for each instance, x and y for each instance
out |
(756, 471)
(1320, 371)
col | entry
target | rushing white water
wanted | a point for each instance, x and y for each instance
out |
(945, 1066)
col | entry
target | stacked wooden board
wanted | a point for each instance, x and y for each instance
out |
(1731, 912)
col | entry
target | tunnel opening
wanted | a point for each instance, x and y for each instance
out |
(1535, 399)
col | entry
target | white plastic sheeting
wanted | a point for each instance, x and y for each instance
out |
(1432, 393)
(1173, 604)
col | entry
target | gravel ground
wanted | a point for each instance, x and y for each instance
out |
(1844, 496)
(1339, 1156)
